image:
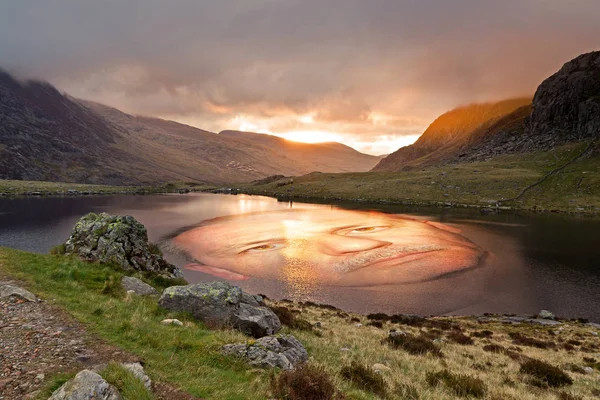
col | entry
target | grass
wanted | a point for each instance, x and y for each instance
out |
(189, 358)
(365, 378)
(479, 184)
(130, 387)
(546, 373)
(40, 188)
(461, 385)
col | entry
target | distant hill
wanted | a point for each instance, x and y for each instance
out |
(565, 109)
(45, 135)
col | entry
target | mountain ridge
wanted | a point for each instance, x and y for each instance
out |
(48, 136)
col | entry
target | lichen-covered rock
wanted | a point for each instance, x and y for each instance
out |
(138, 371)
(281, 351)
(221, 304)
(14, 291)
(86, 385)
(117, 240)
(137, 286)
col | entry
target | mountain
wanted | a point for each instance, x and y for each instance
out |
(565, 108)
(45, 135)
(446, 137)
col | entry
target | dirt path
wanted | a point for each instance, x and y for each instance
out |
(38, 340)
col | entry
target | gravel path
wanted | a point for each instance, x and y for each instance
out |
(38, 340)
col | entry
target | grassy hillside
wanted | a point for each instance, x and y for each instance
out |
(435, 358)
(480, 184)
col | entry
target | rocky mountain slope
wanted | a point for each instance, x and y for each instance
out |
(565, 108)
(449, 133)
(45, 135)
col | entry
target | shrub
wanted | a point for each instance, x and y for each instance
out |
(417, 345)
(364, 378)
(494, 348)
(290, 319)
(460, 338)
(376, 324)
(523, 340)
(406, 391)
(354, 319)
(485, 334)
(461, 385)
(309, 382)
(546, 373)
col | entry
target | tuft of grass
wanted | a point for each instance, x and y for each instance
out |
(494, 348)
(546, 373)
(154, 249)
(52, 384)
(130, 387)
(568, 396)
(289, 319)
(406, 391)
(364, 378)
(376, 324)
(461, 385)
(59, 250)
(113, 287)
(485, 334)
(417, 345)
(309, 382)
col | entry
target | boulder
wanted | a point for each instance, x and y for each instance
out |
(118, 240)
(281, 351)
(137, 286)
(86, 385)
(14, 291)
(220, 304)
(138, 371)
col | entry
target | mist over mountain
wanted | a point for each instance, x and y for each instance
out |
(565, 108)
(45, 135)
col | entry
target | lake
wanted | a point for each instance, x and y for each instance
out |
(410, 260)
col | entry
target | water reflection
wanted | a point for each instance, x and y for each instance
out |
(326, 247)
(534, 261)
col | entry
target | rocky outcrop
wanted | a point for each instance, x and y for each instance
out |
(220, 304)
(282, 351)
(567, 105)
(117, 240)
(86, 385)
(131, 284)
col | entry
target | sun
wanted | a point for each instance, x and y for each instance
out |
(312, 136)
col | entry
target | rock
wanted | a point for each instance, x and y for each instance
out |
(345, 349)
(171, 322)
(567, 104)
(358, 325)
(545, 314)
(137, 286)
(593, 325)
(14, 291)
(138, 371)
(117, 240)
(86, 385)
(588, 370)
(379, 368)
(221, 304)
(282, 351)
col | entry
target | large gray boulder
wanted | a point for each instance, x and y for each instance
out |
(282, 351)
(118, 240)
(86, 385)
(220, 304)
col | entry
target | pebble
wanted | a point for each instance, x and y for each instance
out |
(358, 325)
(588, 370)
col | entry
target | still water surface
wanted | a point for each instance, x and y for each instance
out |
(460, 262)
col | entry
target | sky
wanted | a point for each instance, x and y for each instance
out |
(372, 74)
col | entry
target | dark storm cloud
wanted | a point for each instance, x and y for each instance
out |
(344, 62)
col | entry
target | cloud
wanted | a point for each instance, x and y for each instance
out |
(363, 69)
